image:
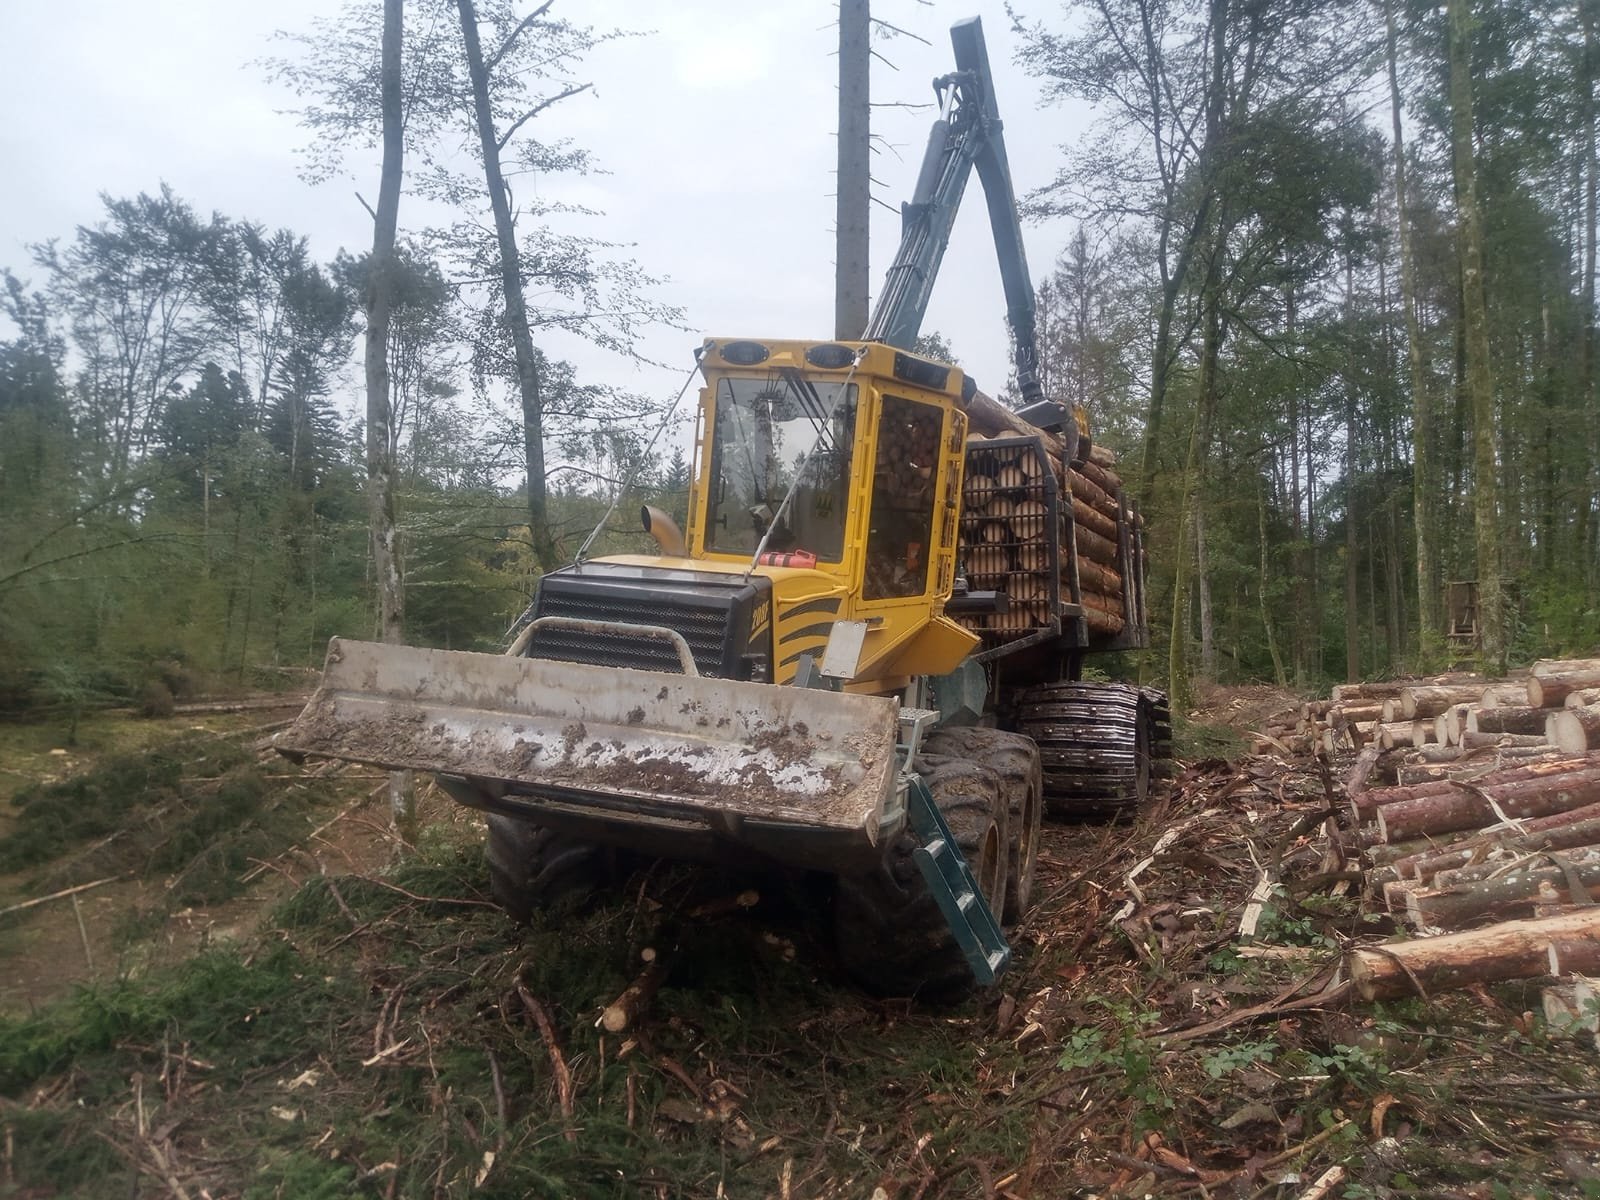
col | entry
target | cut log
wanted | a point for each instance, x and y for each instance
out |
(1429, 700)
(1359, 710)
(1471, 740)
(1511, 719)
(1421, 734)
(1098, 577)
(1502, 695)
(1503, 860)
(1092, 494)
(1582, 698)
(1510, 896)
(994, 419)
(1574, 730)
(1512, 950)
(1380, 689)
(1392, 734)
(625, 1009)
(1091, 518)
(1390, 711)
(1092, 545)
(1473, 809)
(1555, 771)
(1102, 476)
(1553, 680)
(1443, 855)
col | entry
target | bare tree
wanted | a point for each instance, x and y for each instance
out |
(378, 302)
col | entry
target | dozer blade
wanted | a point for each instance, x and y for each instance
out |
(800, 774)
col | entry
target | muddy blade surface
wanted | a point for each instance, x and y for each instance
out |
(693, 747)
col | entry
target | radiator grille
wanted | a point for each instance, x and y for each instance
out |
(705, 628)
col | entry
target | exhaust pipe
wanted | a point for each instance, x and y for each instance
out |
(665, 531)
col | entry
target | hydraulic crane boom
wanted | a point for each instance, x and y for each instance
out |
(967, 134)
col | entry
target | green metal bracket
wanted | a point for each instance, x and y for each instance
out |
(973, 923)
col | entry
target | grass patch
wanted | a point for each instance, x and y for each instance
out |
(195, 811)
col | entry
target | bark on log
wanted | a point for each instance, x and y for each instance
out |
(1554, 771)
(1503, 695)
(1429, 700)
(1444, 854)
(1099, 578)
(1473, 810)
(994, 419)
(1471, 740)
(1092, 494)
(1091, 518)
(1357, 711)
(1092, 545)
(1512, 950)
(1103, 477)
(1578, 843)
(1507, 897)
(1395, 733)
(625, 1009)
(1511, 719)
(1553, 680)
(1575, 730)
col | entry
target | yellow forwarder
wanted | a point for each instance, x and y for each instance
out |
(860, 657)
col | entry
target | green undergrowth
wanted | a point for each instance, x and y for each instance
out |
(382, 1039)
(194, 812)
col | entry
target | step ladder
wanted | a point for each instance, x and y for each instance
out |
(971, 920)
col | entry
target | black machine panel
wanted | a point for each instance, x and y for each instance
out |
(713, 613)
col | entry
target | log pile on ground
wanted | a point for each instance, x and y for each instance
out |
(1472, 809)
(1013, 492)
(1554, 708)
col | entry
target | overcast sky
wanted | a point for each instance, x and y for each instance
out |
(716, 132)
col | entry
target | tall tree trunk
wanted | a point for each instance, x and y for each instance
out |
(1429, 634)
(1352, 623)
(852, 271)
(1278, 675)
(1178, 683)
(1202, 574)
(529, 383)
(379, 303)
(1586, 396)
(1480, 383)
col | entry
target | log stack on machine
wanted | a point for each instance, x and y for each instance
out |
(1018, 489)
(1474, 808)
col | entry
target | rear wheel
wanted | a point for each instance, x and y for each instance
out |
(532, 868)
(890, 932)
(1015, 759)
(1095, 743)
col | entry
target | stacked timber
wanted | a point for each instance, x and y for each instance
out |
(1514, 842)
(1452, 718)
(1016, 495)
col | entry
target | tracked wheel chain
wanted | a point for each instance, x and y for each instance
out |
(1099, 745)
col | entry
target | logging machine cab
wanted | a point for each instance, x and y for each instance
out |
(826, 489)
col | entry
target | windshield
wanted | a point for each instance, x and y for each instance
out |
(764, 430)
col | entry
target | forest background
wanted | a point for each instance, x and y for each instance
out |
(1329, 289)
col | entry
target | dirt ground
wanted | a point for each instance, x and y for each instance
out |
(349, 1025)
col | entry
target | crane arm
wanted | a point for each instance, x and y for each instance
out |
(968, 134)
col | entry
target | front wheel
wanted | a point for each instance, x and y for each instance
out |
(891, 935)
(532, 868)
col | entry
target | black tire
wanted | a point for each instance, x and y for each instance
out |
(890, 933)
(1015, 759)
(1094, 741)
(533, 869)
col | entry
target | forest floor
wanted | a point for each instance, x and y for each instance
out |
(266, 1001)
